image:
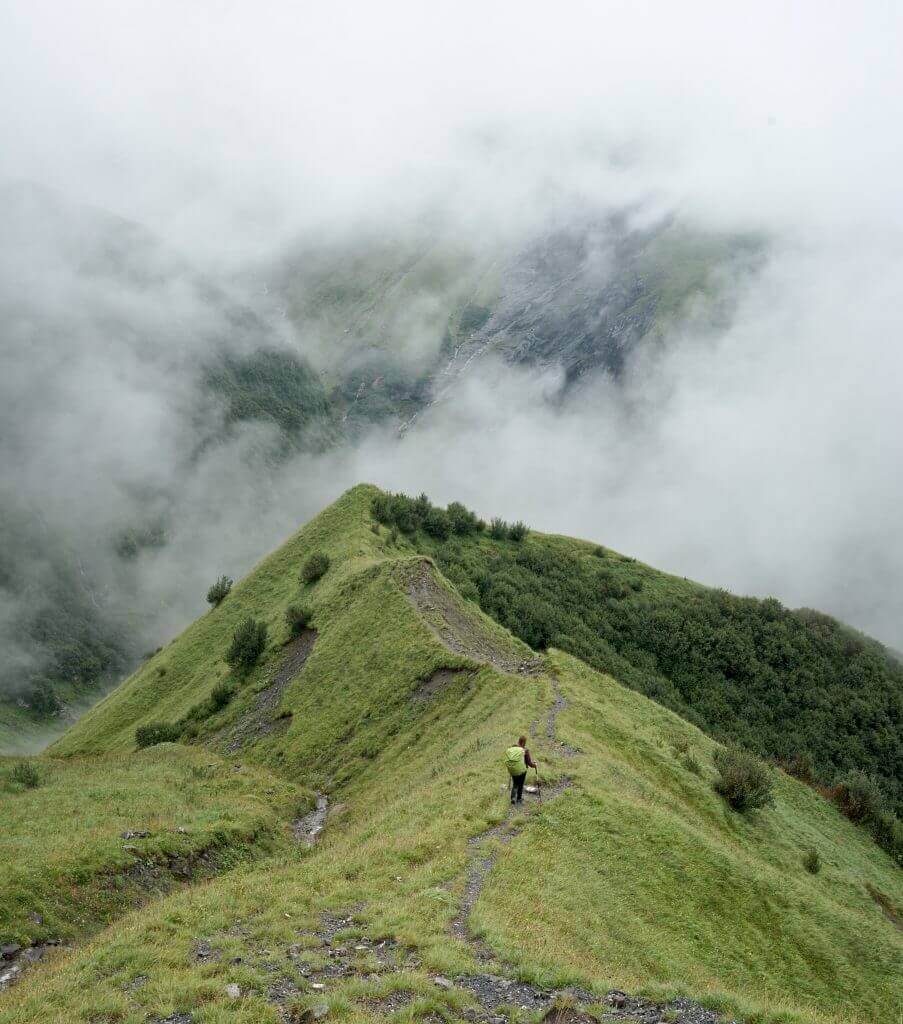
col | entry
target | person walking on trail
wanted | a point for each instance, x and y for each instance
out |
(518, 760)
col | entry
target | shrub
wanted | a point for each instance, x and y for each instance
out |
(436, 523)
(248, 642)
(691, 764)
(220, 697)
(461, 519)
(498, 529)
(156, 732)
(517, 531)
(26, 775)
(859, 796)
(315, 567)
(802, 767)
(374, 528)
(744, 781)
(599, 552)
(217, 593)
(297, 618)
(812, 861)
(393, 535)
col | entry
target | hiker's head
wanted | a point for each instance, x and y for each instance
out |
(522, 742)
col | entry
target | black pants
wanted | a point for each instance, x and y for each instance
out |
(517, 787)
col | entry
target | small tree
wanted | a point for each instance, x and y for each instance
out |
(436, 523)
(315, 567)
(26, 775)
(461, 519)
(744, 781)
(498, 529)
(248, 642)
(297, 618)
(217, 593)
(156, 732)
(517, 531)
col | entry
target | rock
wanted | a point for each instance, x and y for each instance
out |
(233, 991)
(317, 986)
(617, 999)
(134, 834)
(310, 1014)
(35, 918)
(9, 950)
(442, 982)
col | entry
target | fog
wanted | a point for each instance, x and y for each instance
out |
(160, 161)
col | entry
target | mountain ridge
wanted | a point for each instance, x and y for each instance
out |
(636, 877)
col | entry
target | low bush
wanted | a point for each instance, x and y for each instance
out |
(812, 861)
(461, 519)
(690, 763)
(859, 796)
(220, 697)
(297, 618)
(218, 591)
(26, 775)
(743, 780)
(248, 642)
(157, 732)
(437, 524)
(315, 567)
(498, 529)
(518, 531)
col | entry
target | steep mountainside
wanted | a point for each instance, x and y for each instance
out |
(413, 888)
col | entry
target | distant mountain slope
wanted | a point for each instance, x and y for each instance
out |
(335, 336)
(398, 702)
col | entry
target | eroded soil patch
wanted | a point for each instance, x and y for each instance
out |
(307, 828)
(439, 681)
(263, 719)
(459, 629)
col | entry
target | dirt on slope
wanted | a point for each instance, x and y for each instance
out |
(262, 719)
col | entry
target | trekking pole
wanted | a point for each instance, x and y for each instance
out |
(538, 786)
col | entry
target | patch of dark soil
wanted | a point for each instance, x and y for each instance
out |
(307, 829)
(567, 1015)
(440, 680)
(263, 718)
(389, 1003)
(492, 991)
(461, 630)
(642, 1011)
(282, 990)
(205, 953)
(892, 913)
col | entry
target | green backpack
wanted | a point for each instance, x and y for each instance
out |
(515, 761)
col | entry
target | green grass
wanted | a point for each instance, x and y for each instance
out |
(638, 876)
(61, 845)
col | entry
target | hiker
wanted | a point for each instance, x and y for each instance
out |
(518, 760)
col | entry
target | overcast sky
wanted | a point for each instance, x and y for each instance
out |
(767, 462)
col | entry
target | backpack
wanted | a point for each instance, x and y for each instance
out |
(515, 761)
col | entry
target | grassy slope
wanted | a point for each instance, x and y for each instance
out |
(636, 877)
(61, 846)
